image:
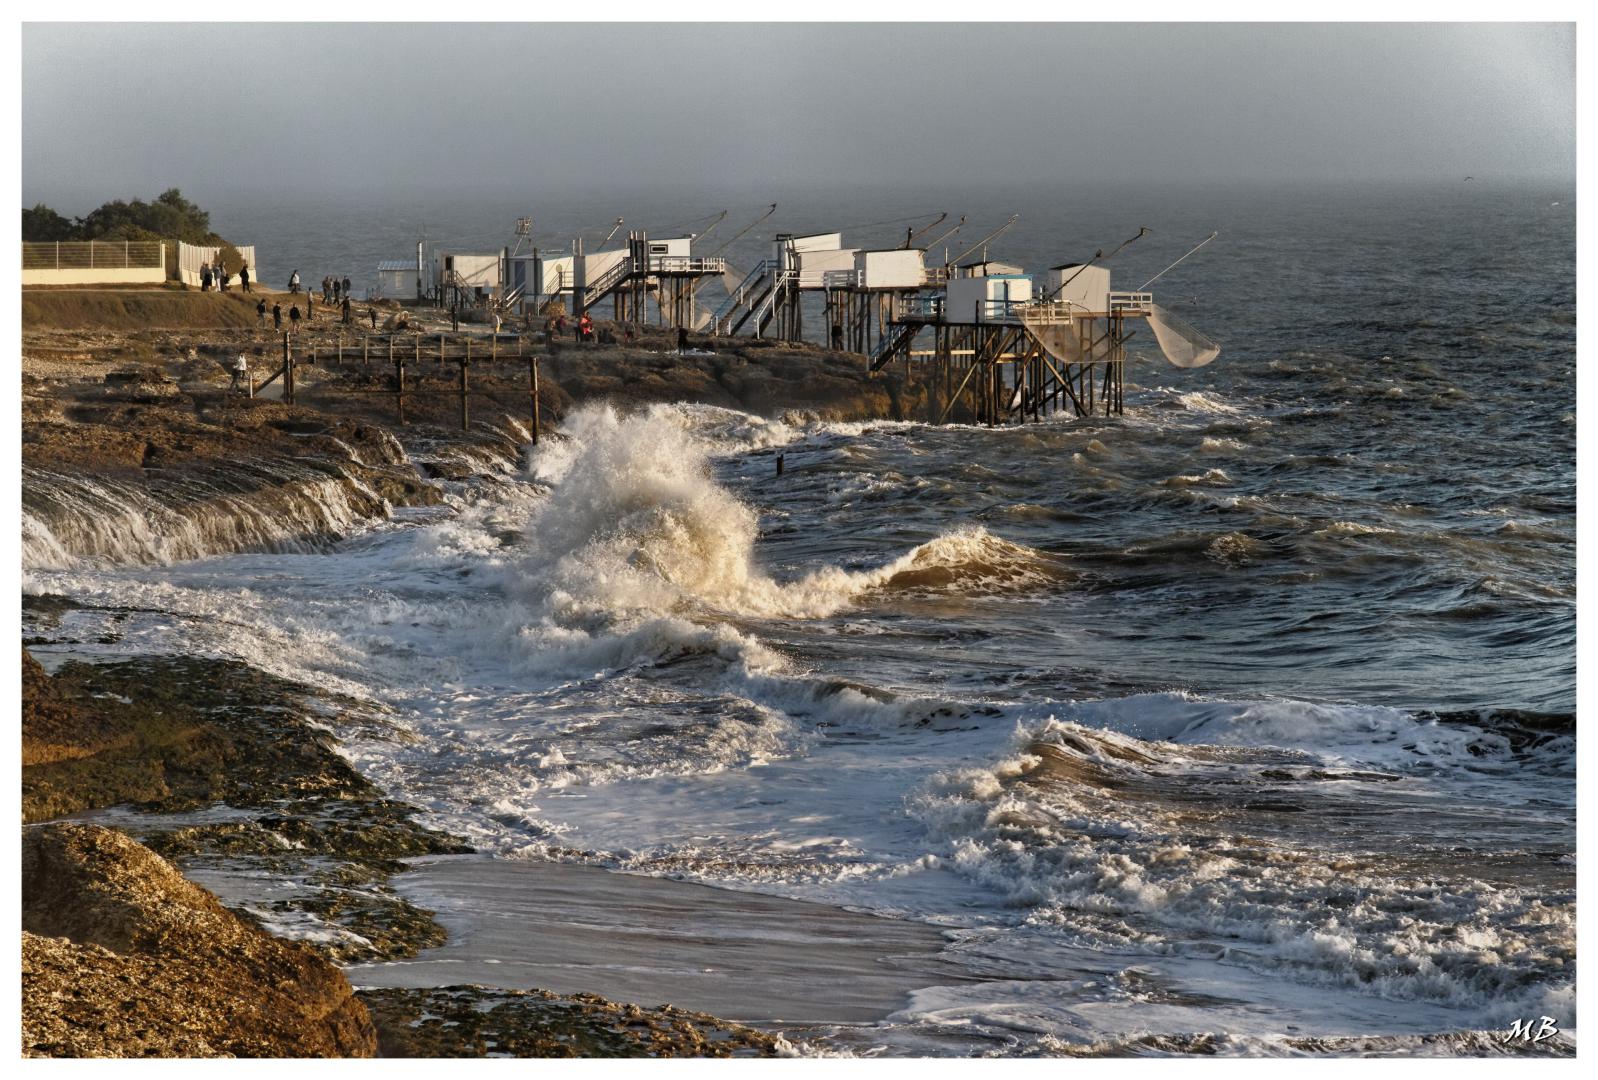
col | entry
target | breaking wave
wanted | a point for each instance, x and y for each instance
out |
(1163, 823)
(636, 534)
(273, 506)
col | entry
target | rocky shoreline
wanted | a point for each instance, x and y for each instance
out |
(134, 451)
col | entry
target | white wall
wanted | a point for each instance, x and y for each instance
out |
(900, 268)
(139, 275)
(190, 256)
(397, 284)
(558, 271)
(598, 264)
(987, 269)
(814, 264)
(1089, 286)
(814, 242)
(973, 299)
(474, 271)
(677, 247)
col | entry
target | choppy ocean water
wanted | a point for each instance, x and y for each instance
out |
(1252, 711)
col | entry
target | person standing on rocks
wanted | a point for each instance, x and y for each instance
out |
(221, 276)
(294, 282)
(260, 312)
(371, 313)
(205, 277)
(241, 372)
(346, 284)
(294, 314)
(277, 316)
(244, 277)
(346, 311)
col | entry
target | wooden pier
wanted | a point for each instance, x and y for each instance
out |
(405, 359)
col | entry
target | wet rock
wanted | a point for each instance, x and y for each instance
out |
(124, 957)
(59, 725)
(171, 735)
(475, 1021)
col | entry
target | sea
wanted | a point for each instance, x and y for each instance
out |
(1244, 721)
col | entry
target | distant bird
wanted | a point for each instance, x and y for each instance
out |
(1470, 178)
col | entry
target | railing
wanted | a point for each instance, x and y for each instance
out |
(595, 291)
(93, 255)
(1141, 302)
(683, 264)
(890, 343)
(1052, 311)
(779, 292)
(1000, 310)
(840, 279)
(921, 307)
(737, 297)
(936, 275)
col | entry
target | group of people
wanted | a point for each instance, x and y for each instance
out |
(583, 330)
(334, 289)
(219, 276)
(294, 314)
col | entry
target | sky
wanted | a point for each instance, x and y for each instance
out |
(302, 110)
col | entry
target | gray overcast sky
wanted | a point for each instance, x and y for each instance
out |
(111, 110)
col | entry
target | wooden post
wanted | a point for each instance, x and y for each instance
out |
(399, 386)
(366, 354)
(288, 371)
(532, 389)
(341, 348)
(466, 416)
(441, 350)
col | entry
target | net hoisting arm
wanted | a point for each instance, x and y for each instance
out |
(1142, 231)
(994, 235)
(1173, 266)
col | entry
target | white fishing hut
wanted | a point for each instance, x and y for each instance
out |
(893, 268)
(399, 279)
(1083, 286)
(472, 273)
(983, 298)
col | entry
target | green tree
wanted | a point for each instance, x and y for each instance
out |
(42, 225)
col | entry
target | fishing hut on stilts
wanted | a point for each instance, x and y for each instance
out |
(991, 343)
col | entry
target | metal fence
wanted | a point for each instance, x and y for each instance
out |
(93, 255)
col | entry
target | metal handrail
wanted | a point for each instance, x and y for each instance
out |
(738, 296)
(779, 289)
(684, 264)
(1052, 311)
